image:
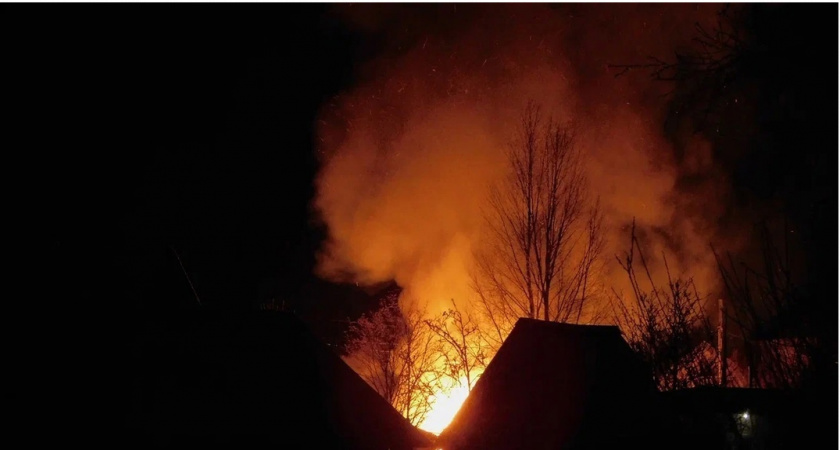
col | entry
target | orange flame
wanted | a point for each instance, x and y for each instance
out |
(445, 404)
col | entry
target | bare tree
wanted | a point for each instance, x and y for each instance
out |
(666, 326)
(397, 354)
(731, 77)
(708, 71)
(463, 349)
(544, 238)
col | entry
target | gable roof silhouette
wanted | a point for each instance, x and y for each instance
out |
(554, 385)
(254, 380)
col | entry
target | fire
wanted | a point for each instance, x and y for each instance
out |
(445, 404)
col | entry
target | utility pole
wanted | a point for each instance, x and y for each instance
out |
(721, 343)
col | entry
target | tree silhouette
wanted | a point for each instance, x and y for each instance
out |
(397, 354)
(544, 236)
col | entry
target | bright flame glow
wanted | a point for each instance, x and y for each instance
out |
(445, 404)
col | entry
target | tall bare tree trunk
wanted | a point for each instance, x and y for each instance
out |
(541, 245)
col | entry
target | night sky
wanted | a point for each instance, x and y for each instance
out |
(226, 178)
(189, 130)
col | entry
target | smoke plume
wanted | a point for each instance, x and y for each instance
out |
(409, 152)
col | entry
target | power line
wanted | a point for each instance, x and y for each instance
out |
(186, 275)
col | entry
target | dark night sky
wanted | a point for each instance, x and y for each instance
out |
(186, 128)
(226, 178)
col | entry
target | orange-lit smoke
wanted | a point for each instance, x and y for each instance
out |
(409, 152)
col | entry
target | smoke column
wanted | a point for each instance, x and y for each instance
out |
(408, 153)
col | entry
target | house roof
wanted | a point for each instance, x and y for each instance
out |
(554, 385)
(254, 379)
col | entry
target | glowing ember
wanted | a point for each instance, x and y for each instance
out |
(444, 407)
